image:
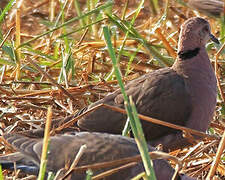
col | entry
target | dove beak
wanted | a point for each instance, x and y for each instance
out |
(214, 39)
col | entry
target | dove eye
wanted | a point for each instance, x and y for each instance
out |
(206, 29)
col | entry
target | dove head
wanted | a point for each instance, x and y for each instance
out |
(195, 33)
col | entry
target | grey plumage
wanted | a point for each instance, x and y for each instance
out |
(63, 148)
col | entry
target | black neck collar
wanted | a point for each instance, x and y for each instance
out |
(188, 54)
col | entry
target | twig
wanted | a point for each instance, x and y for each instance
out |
(154, 155)
(111, 171)
(169, 49)
(76, 160)
(50, 78)
(6, 36)
(216, 161)
(217, 74)
(156, 121)
(76, 118)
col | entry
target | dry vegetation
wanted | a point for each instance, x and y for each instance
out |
(74, 70)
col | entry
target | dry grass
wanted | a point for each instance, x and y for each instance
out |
(73, 71)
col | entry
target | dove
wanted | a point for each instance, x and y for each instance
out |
(184, 94)
(210, 7)
(63, 149)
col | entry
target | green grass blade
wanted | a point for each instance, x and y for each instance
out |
(89, 174)
(124, 26)
(6, 9)
(51, 176)
(131, 24)
(140, 139)
(222, 28)
(104, 6)
(1, 176)
(81, 28)
(134, 121)
(7, 62)
(79, 12)
(114, 60)
(154, 6)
